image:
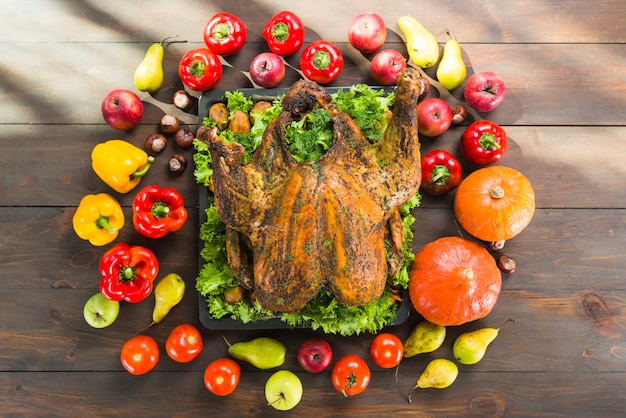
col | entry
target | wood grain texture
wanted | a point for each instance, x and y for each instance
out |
(564, 354)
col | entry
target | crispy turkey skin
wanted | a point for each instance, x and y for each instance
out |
(296, 227)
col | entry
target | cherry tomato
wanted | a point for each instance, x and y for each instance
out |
(221, 376)
(386, 350)
(350, 375)
(139, 354)
(184, 343)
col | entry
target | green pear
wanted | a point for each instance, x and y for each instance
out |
(262, 353)
(421, 45)
(149, 72)
(426, 337)
(451, 71)
(439, 374)
(470, 347)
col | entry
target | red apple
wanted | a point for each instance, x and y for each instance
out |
(367, 32)
(267, 69)
(386, 65)
(484, 91)
(434, 116)
(122, 109)
(315, 354)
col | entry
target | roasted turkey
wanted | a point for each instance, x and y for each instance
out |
(293, 227)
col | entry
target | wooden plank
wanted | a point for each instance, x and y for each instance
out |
(473, 21)
(57, 172)
(56, 337)
(547, 84)
(182, 394)
(576, 244)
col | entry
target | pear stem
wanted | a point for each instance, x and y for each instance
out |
(225, 340)
(449, 32)
(505, 322)
(171, 42)
(411, 392)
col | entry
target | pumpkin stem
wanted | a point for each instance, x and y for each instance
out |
(497, 192)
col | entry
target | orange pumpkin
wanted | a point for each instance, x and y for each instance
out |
(453, 281)
(494, 203)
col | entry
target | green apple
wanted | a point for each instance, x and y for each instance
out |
(283, 390)
(100, 312)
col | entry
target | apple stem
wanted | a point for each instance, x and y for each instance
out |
(280, 396)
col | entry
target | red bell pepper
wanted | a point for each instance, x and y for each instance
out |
(200, 69)
(284, 33)
(441, 172)
(321, 62)
(158, 211)
(483, 142)
(127, 273)
(224, 34)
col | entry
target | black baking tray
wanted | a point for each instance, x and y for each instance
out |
(223, 324)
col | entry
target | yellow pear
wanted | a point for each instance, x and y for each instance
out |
(451, 70)
(149, 72)
(421, 45)
(439, 374)
(426, 337)
(470, 347)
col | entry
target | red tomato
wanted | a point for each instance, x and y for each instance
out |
(350, 375)
(386, 350)
(221, 376)
(139, 354)
(184, 343)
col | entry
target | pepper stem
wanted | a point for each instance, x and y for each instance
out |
(321, 60)
(488, 141)
(103, 223)
(127, 274)
(142, 171)
(221, 31)
(439, 174)
(280, 31)
(160, 210)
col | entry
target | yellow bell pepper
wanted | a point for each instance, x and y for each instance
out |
(120, 164)
(98, 219)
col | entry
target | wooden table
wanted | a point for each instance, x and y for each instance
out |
(563, 62)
